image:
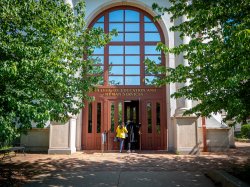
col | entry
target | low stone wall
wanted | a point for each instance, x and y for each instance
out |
(218, 139)
(37, 140)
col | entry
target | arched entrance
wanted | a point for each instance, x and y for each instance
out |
(126, 92)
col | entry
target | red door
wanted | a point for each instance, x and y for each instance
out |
(93, 120)
(105, 115)
(153, 125)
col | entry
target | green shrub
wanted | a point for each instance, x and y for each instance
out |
(245, 131)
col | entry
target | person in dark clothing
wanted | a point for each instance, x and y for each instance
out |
(132, 135)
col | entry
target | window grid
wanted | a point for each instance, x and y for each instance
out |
(138, 38)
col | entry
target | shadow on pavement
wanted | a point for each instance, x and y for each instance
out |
(63, 168)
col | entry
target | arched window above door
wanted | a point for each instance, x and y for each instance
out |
(122, 60)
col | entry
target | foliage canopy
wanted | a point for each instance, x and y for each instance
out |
(218, 55)
(43, 75)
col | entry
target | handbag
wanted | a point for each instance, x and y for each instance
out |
(115, 139)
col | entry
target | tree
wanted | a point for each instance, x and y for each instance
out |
(218, 56)
(43, 75)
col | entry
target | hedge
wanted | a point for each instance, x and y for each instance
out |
(245, 131)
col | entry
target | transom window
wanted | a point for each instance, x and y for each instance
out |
(122, 61)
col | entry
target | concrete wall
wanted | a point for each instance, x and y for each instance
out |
(36, 140)
(185, 134)
(59, 135)
(63, 137)
(188, 139)
(218, 139)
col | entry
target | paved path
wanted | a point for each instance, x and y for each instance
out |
(125, 179)
(115, 169)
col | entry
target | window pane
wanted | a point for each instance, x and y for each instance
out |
(132, 70)
(134, 114)
(149, 79)
(131, 15)
(132, 49)
(146, 19)
(90, 118)
(118, 70)
(117, 26)
(146, 70)
(99, 50)
(156, 59)
(116, 16)
(97, 59)
(99, 118)
(149, 37)
(132, 27)
(118, 38)
(115, 59)
(116, 80)
(132, 59)
(112, 116)
(151, 73)
(158, 118)
(132, 37)
(101, 19)
(149, 116)
(120, 113)
(99, 25)
(132, 80)
(116, 49)
(150, 27)
(96, 70)
(128, 112)
(151, 49)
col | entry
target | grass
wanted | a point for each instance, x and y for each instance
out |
(240, 138)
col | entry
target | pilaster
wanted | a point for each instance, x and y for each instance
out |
(185, 133)
(62, 137)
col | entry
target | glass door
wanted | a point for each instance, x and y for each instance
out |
(115, 113)
(153, 125)
(94, 125)
(131, 119)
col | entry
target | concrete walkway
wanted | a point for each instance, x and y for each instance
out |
(146, 168)
(120, 170)
(126, 179)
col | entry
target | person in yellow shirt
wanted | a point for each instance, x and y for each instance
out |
(121, 131)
